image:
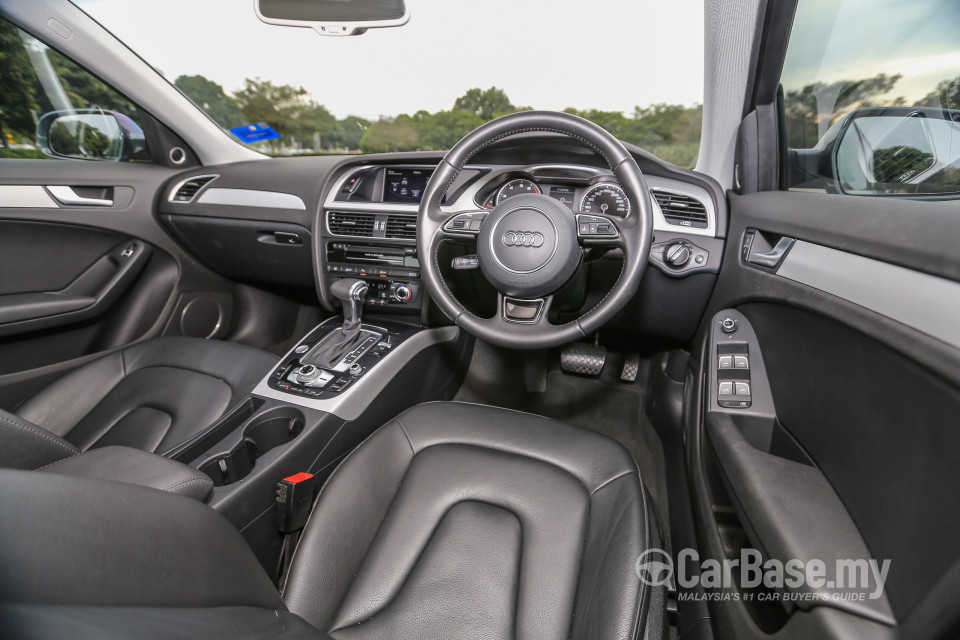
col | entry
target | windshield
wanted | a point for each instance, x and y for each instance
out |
(426, 84)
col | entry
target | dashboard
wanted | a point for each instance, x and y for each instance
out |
(310, 221)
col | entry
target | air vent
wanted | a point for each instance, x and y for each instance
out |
(351, 224)
(402, 227)
(682, 210)
(187, 190)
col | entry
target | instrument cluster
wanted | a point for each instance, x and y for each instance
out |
(605, 197)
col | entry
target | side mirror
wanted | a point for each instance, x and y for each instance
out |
(898, 151)
(91, 134)
(334, 17)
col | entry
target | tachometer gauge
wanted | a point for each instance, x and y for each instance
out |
(606, 198)
(516, 188)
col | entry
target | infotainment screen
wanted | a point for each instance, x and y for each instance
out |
(405, 185)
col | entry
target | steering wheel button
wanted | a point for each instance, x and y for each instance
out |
(584, 228)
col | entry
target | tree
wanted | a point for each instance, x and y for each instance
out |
(945, 96)
(288, 109)
(210, 97)
(262, 101)
(391, 134)
(346, 133)
(487, 104)
(444, 129)
(18, 99)
(811, 110)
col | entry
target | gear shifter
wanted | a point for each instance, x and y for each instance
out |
(331, 350)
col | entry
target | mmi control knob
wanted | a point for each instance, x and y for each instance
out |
(677, 254)
(403, 293)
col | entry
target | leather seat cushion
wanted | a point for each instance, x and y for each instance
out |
(465, 521)
(151, 396)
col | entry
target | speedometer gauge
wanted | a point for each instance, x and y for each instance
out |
(516, 188)
(606, 198)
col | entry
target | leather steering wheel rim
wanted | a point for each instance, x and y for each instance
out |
(634, 232)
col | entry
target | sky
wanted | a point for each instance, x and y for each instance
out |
(611, 55)
(854, 39)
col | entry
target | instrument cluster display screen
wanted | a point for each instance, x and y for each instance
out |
(405, 185)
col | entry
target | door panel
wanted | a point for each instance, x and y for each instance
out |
(68, 259)
(856, 442)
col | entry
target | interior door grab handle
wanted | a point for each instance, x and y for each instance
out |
(66, 195)
(773, 257)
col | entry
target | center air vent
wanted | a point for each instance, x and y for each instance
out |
(351, 224)
(187, 190)
(680, 209)
(401, 226)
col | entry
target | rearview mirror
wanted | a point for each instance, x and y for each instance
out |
(898, 151)
(334, 17)
(91, 134)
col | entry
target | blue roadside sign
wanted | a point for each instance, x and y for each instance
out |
(250, 133)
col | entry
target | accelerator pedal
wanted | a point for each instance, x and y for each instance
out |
(583, 359)
(631, 366)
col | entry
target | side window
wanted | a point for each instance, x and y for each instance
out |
(872, 98)
(50, 107)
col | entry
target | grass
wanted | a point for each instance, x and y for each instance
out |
(22, 153)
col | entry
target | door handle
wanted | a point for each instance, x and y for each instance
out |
(773, 257)
(66, 195)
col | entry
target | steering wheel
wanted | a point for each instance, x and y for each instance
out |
(530, 245)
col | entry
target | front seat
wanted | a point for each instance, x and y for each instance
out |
(452, 521)
(151, 396)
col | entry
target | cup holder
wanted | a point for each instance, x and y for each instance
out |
(269, 430)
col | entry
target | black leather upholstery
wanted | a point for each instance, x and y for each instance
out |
(24, 445)
(464, 521)
(150, 396)
(71, 542)
(123, 464)
(48, 622)
(451, 521)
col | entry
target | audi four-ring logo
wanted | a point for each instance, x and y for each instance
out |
(523, 239)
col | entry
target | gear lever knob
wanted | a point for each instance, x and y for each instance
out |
(350, 292)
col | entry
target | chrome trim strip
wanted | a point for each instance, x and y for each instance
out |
(252, 198)
(351, 404)
(924, 302)
(27, 196)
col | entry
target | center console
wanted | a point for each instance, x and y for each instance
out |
(392, 273)
(323, 388)
(305, 418)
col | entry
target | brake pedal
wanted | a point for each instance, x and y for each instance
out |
(583, 359)
(631, 366)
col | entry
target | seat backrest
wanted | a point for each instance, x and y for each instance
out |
(89, 559)
(71, 541)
